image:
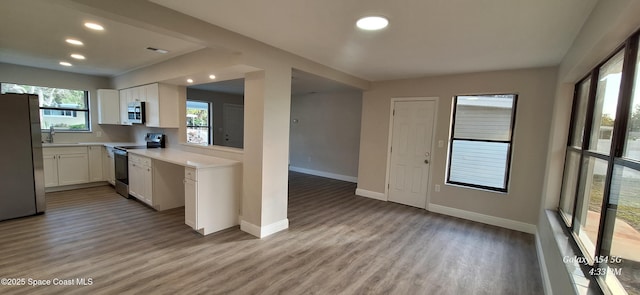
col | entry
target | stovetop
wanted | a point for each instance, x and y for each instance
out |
(154, 140)
(130, 147)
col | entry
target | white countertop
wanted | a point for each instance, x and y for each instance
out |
(182, 158)
(71, 144)
(114, 144)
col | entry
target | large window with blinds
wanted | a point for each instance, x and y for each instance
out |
(481, 140)
(62, 109)
(600, 196)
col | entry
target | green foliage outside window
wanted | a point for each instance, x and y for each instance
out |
(57, 101)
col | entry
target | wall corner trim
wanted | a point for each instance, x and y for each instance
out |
(482, 218)
(370, 194)
(546, 281)
(324, 174)
(266, 230)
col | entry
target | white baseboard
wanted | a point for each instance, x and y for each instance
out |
(264, 231)
(324, 174)
(371, 194)
(482, 218)
(546, 281)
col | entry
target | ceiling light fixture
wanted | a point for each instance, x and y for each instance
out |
(212, 77)
(189, 81)
(78, 56)
(74, 41)
(372, 23)
(66, 64)
(158, 50)
(94, 26)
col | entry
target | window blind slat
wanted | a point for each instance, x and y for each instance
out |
(475, 158)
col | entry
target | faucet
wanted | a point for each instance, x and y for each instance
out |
(52, 131)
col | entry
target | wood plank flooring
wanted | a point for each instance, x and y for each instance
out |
(337, 243)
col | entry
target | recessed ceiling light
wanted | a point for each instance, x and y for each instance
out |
(78, 56)
(372, 23)
(212, 77)
(66, 64)
(189, 80)
(94, 26)
(74, 41)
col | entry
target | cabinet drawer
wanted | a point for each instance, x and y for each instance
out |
(145, 161)
(142, 161)
(133, 158)
(190, 173)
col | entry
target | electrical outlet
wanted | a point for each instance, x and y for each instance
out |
(437, 188)
(440, 143)
(98, 133)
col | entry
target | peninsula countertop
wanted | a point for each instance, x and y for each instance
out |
(187, 159)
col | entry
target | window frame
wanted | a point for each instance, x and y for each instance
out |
(452, 138)
(614, 158)
(209, 122)
(73, 111)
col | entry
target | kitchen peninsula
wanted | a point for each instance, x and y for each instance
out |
(208, 187)
(163, 178)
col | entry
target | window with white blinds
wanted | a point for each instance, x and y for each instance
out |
(480, 142)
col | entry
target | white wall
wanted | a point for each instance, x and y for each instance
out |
(326, 137)
(40, 77)
(535, 89)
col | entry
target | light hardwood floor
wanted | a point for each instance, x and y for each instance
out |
(337, 243)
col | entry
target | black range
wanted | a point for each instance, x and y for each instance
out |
(153, 140)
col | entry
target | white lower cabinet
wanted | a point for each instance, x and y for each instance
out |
(65, 166)
(95, 163)
(50, 163)
(211, 199)
(190, 203)
(141, 178)
(109, 165)
(73, 169)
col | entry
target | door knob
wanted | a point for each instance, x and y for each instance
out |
(426, 161)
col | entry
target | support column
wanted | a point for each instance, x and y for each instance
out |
(267, 106)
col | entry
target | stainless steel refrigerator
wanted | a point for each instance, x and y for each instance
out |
(21, 168)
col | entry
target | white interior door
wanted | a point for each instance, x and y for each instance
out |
(233, 120)
(412, 135)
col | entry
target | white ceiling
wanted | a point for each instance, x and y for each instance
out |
(32, 33)
(301, 83)
(425, 37)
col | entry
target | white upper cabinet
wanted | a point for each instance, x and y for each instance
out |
(108, 106)
(138, 93)
(161, 105)
(125, 98)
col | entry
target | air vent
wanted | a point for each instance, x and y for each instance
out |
(158, 50)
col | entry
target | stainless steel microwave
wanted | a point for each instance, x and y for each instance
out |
(135, 112)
